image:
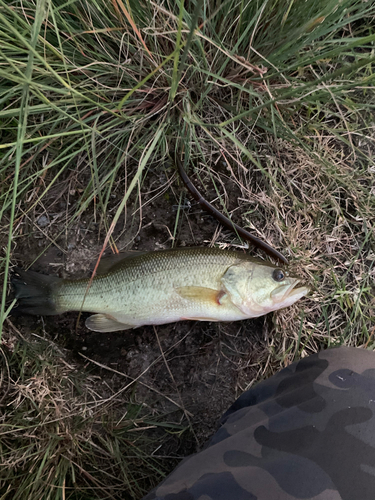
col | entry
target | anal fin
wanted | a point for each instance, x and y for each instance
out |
(105, 323)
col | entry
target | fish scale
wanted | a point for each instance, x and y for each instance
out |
(205, 284)
(139, 282)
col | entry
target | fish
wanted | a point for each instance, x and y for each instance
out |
(159, 287)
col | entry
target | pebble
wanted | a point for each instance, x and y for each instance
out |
(43, 221)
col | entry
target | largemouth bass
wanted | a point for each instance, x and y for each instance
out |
(155, 288)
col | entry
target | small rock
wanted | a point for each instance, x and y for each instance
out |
(43, 221)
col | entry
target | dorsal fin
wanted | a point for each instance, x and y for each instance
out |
(110, 261)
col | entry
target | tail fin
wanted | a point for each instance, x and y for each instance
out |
(34, 292)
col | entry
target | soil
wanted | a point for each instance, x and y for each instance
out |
(193, 370)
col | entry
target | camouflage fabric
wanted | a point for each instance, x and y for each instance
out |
(308, 432)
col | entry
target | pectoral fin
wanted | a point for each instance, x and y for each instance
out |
(105, 323)
(201, 294)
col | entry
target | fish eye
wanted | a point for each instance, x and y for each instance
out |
(278, 275)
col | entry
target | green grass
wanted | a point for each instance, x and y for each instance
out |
(94, 96)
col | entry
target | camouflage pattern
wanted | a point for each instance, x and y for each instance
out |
(308, 432)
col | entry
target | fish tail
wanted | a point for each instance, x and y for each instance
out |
(34, 292)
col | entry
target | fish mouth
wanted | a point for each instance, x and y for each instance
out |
(290, 292)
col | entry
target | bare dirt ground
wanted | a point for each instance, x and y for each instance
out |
(189, 371)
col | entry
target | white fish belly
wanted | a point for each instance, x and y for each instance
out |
(177, 309)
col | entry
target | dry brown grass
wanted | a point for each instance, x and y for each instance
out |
(319, 210)
(64, 431)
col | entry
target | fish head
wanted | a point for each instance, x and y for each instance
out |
(257, 288)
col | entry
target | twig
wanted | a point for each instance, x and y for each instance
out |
(129, 377)
(272, 252)
(187, 414)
